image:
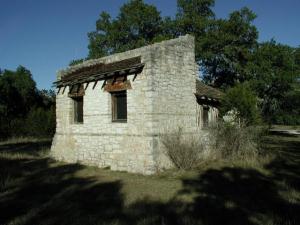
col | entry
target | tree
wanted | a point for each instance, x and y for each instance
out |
(75, 62)
(194, 17)
(38, 116)
(223, 47)
(18, 92)
(19, 96)
(227, 49)
(296, 66)
(243, 100)
(274, 73)
(137, 24)
(289, 108)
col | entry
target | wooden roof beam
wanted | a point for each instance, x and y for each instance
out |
(95, 77)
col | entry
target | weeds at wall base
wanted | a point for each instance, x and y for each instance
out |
(232, 143)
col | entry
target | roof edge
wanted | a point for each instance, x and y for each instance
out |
(92, 62)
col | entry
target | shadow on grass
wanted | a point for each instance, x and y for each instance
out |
(238, 196)
(227, 196)
(31, 148)
(39, 191)
(286, 166)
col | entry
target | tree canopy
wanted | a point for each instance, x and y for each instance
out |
(137, 24)
(17, 91)
(223, 46)
(227, 50)
(19, 98)
(275, 71)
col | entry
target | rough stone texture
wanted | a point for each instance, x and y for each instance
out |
(161, 100)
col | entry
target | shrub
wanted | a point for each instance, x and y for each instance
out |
(223, 141)
(41, 122)
(244, 101)
(236, 141)
(185, 151)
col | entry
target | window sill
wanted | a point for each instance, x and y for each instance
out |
(119, 121)
(78, 123)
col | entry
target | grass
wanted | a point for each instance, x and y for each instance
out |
(23, 140)
(286, 127)
(34, 189)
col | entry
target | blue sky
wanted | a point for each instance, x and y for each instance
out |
(45, 35)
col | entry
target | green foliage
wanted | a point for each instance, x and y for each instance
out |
(242, 99)
(38, 116)
(19, 96)
(137, 24)
(76, 61)
(274, 73)
(17, 91)
(223, 46)
(289, 109)
(194, 17)
(227, 49)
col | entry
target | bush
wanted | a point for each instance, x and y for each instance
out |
(41, 122)
(287, 119)
(224, 141)
(236, 141)
(242, 100)
(185, 151)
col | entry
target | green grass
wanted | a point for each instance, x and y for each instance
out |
(34, 189)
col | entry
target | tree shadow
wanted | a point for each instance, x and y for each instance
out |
(32, 148)
(225, 196)
(232, 195)
(37, 190)
(286, 166)
(237, 196)
(40, 191)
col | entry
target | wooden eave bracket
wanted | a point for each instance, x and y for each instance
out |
(58, 90)
(64, 89)
(104, 83)
(95, 84)
(135, 75)
(86, 86)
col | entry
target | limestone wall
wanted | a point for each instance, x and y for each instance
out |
(161, 99)
(174, 85)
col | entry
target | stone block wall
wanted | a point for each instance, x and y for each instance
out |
(161, 100)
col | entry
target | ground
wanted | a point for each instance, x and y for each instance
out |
(34, 189)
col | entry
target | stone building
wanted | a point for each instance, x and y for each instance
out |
(111, 111)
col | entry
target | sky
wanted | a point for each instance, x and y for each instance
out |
(45, 35)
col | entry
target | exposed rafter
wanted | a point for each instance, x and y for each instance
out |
(101, 71)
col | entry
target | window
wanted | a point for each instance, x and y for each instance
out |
(119, 106)
(205, 116)
(78, 109)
